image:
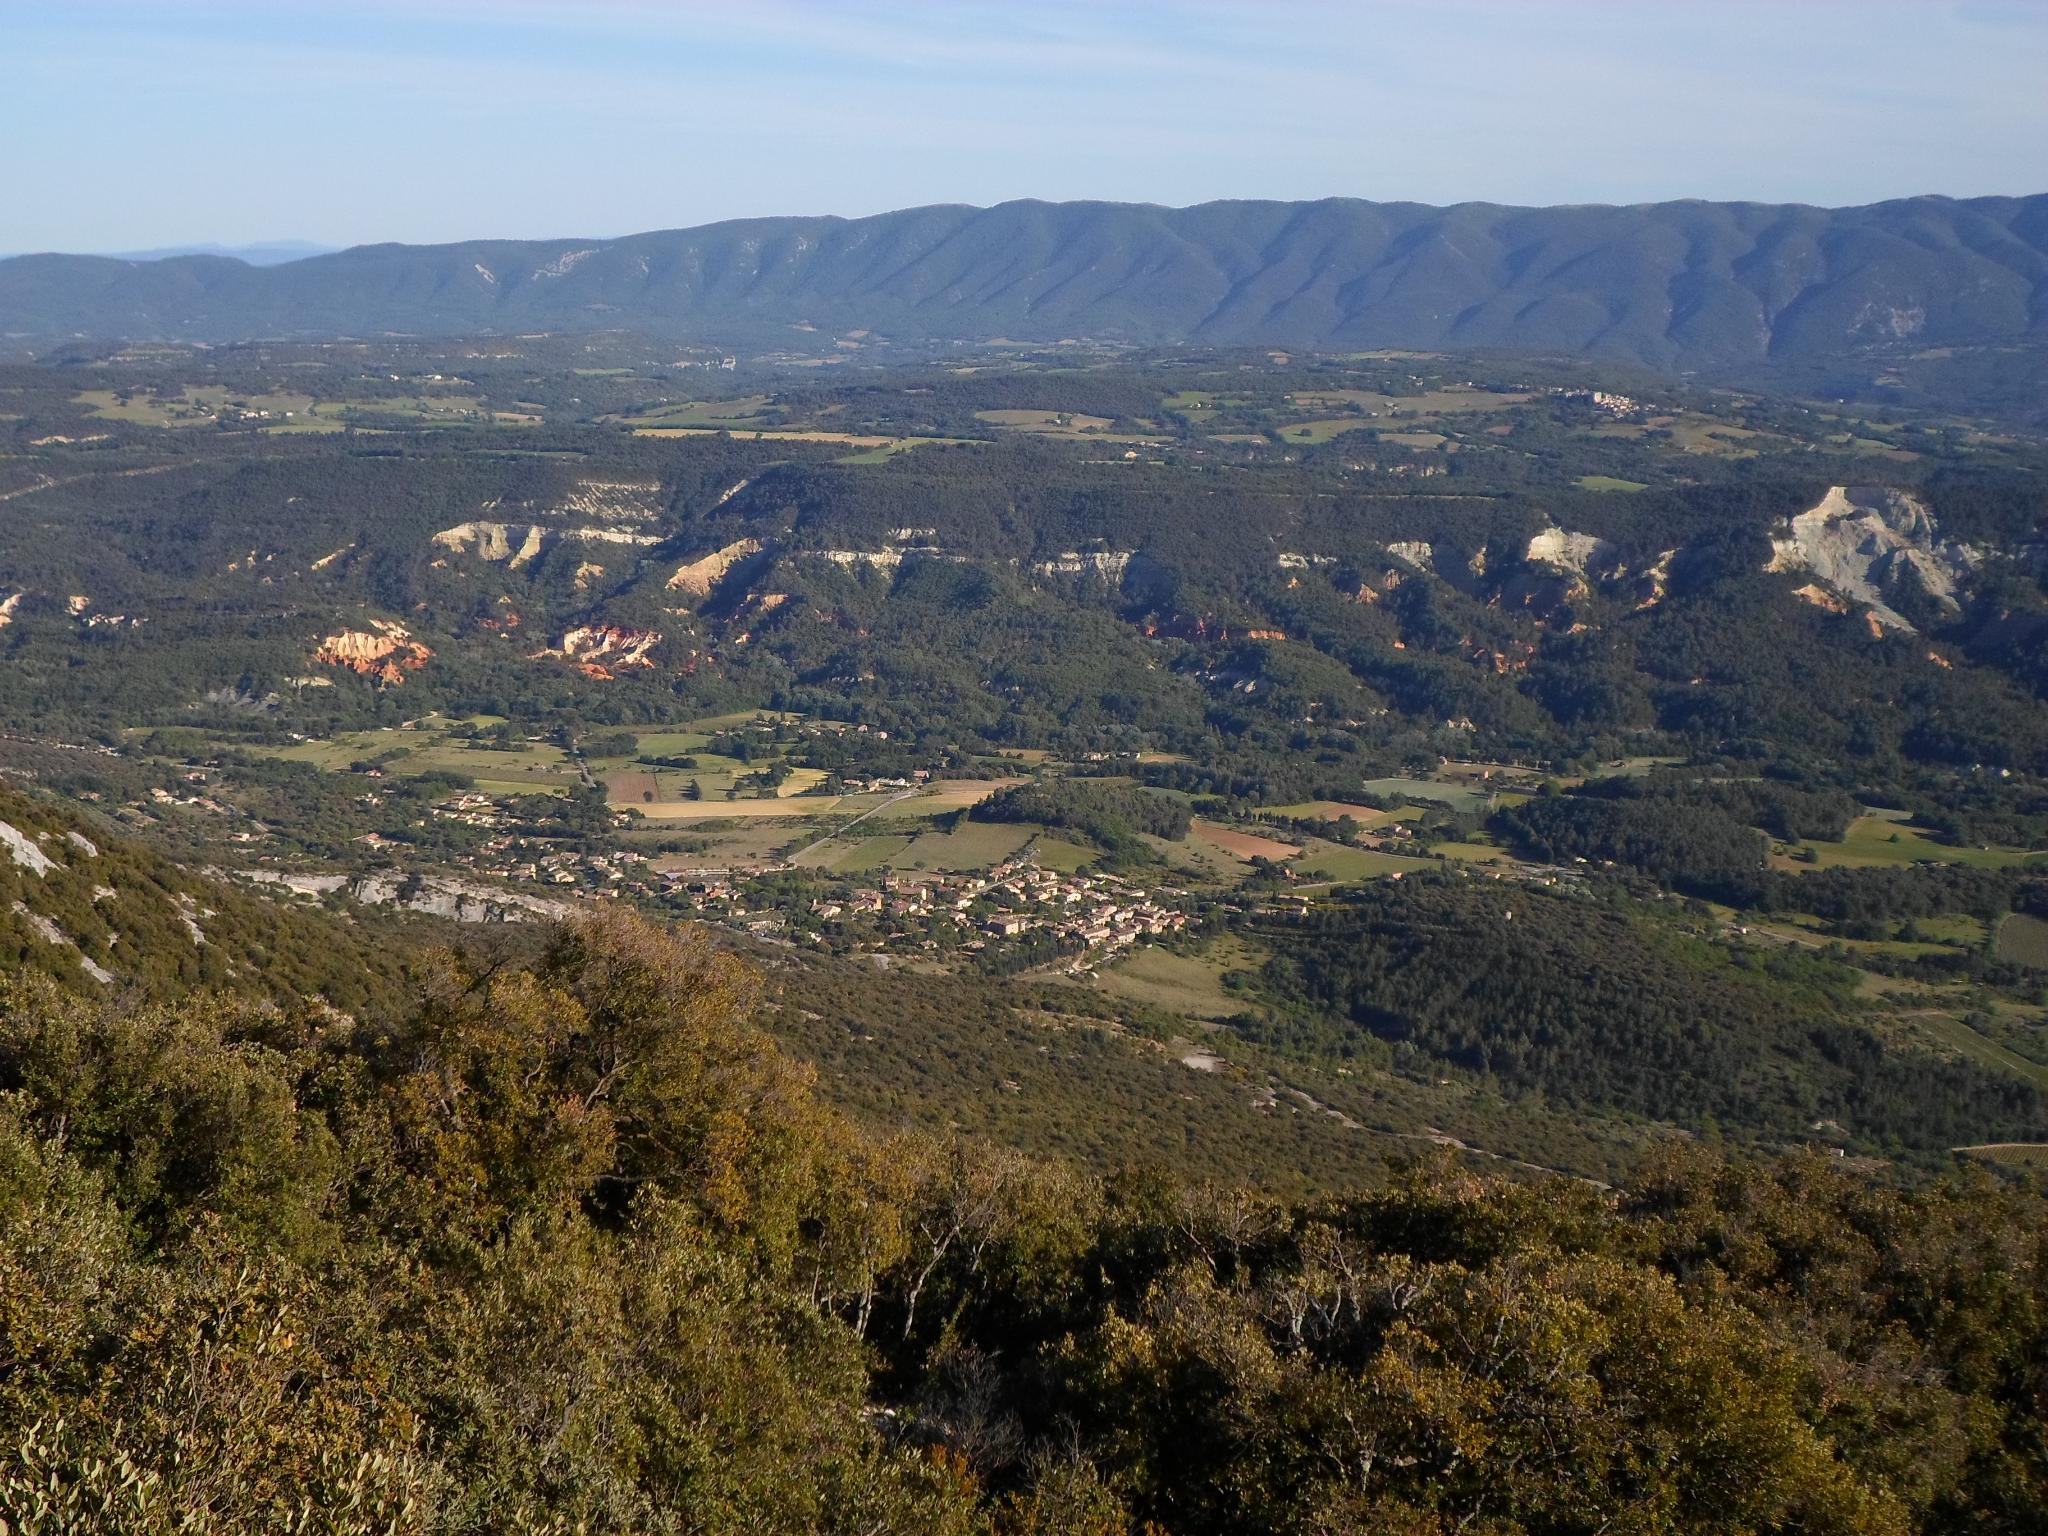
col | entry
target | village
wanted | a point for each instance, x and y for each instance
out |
(1073, 920)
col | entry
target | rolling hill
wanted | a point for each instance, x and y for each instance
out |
(1684, 285)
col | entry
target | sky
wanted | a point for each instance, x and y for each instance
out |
(130, 124)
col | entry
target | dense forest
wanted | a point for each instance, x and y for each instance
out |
(569, 1246)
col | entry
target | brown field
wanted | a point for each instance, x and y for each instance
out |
(1243, 845)
(1333, 810)
(632, 786)
(716, 808)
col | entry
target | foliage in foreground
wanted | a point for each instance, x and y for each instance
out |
(570, 1246)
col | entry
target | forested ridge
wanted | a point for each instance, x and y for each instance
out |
(1757, 282)
(568, 1246)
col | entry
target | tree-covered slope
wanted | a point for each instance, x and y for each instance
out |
(1688, 284)
(570, 1247)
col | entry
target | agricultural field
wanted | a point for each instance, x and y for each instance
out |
(1334, 863)
(526, 768)
(1054, 423)
(1242, 845)
(287, 412)
(712, 414)
(1884, 839)
(1189, 985)
(2023, 940)
(1337, 810)
(1456, 796)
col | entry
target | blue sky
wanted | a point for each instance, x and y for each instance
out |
(126, 124)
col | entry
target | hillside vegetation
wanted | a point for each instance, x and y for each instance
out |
(570, 1246)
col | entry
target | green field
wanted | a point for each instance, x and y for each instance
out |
(1879, 839)
(1610, 483)
(1333, 861)
(866, 854)
(1456, 796)
(704, 413)
(970, 846)
(1067, 858)
(1190, 985)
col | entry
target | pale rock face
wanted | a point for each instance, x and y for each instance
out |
(1860, 539)
(23, 851)
(512, 544)
(1109, 564)
(699, 576)
(603, 650)
(385, 651)
(1568, 551)
(1413, 552)
(1655, 581)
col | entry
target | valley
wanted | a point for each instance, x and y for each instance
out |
(1173, 694)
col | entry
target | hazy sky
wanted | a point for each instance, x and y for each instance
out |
(128, 124)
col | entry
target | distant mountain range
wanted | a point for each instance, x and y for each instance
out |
(266, 253)
(1673, 285)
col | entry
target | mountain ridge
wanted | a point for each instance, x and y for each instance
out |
(1689, 284)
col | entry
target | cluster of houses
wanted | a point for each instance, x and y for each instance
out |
(1085, 914)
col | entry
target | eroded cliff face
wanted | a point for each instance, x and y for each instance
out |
(513, 544)
(602, 651)
(385, 651)
(697, 578)
(1863, 543)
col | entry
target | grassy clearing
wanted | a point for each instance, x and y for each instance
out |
(1610, 483)
(532, 768)
(858, 858)
(1456, 796)
(1472, 853)
(1878, 839)
(1189, 985)
(1335, 862)
(740, 846)
(970, 846)
(703, 413)
(1067, 858)
(1199, 860)
(1056, 423)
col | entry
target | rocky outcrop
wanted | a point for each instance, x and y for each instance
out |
(512, 544)
(1109, 564)
(1866, 543)
(23, 850)
(603, 651)
(1414, 552)
(698, 577)
(385, 651)
(1564, 550)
